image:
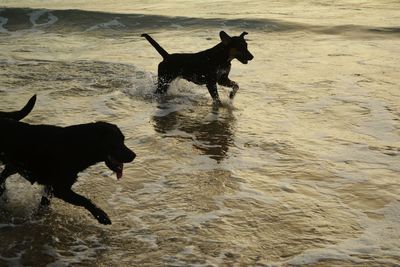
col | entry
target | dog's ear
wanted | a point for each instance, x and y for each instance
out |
(225, 38)
(243, 34)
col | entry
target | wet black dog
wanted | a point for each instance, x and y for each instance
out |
(208, 67)
(53, 156)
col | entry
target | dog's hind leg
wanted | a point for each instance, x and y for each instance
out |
(8, 171)
(165, 77)
(47, 195)
(163, 84)
(212, 89)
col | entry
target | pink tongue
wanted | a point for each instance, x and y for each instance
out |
(119, 173)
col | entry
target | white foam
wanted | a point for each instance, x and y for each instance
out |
(150, 239)
(380, 237)
(3, 21)
(80, 251)
(140, 231)
(181, 93)
(114, 23)
(164, 110)
(143, 85)
(35, 15)
(22, 196)
(198, 219)
(193, 251)
(176, 26)
(118, 198)
(244, 192)
(250, 193)
(152, 188)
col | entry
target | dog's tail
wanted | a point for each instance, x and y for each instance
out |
(20, 114)
(159, 49)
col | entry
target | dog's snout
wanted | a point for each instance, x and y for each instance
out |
(127, 155)
(132, 156)
(250, 56)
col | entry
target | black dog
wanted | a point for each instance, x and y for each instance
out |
(208, 67)
(53, 156)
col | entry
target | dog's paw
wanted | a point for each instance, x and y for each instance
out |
(104, 220)
(234, 91)
(217, 103)
(43, 210)
(44, 202)
(102, 217)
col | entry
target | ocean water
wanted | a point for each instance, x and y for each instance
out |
(301, 169)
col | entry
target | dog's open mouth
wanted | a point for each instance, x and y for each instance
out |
(115, 166)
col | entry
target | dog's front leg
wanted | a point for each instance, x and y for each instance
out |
(162, 85)
(225, 81)
(47, 194)
(71, 197)
(212, 89)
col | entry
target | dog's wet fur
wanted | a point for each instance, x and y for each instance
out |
(209, 67)
(53, 156)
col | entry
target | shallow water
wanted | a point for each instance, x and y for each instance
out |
(302, 168)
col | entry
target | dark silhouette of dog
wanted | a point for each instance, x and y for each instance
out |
(53, 156)
(209, 67)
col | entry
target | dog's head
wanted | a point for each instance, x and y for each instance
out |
(115, 152)
(237, 47)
